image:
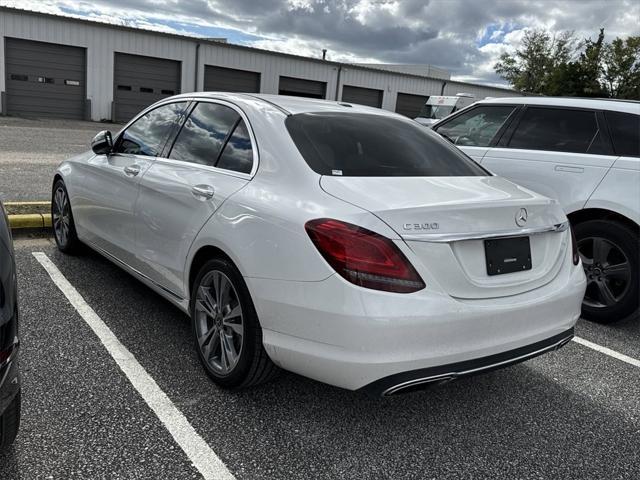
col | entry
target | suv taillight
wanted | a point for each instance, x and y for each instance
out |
(574, 248)
(363, 257)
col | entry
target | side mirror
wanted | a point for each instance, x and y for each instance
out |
(102, 143)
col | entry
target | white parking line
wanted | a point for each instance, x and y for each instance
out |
(607, 351)
(199, 452)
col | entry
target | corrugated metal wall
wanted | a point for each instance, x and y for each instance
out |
(102, 41)
(270, 66)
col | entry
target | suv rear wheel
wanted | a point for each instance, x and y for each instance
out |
(610, 256)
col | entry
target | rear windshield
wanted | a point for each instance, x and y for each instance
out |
(369, 145)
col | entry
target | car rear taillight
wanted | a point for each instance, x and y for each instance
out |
(574, 248)
(363, 257)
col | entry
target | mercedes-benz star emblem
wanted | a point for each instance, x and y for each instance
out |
(521, 217)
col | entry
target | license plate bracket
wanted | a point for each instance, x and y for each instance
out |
(507, 255)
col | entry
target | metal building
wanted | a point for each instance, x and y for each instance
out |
(55, 66)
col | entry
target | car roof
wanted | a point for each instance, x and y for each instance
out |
(289, 104)
(629, 106)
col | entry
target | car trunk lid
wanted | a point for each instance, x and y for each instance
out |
(445, 221)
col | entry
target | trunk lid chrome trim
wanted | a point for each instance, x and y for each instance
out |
(456, 237)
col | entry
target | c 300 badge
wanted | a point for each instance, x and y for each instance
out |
(420, 226)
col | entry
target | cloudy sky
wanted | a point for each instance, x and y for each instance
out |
(465, 37)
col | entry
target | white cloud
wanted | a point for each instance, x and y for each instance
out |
(445, 33)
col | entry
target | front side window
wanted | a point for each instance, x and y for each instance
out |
(204, 134)
(369, 145)
(148, 134)
(476, 127)
(558, 130)
(625, 133)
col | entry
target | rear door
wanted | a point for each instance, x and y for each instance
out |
(561, 153)
(474, 130)
(212, 157)
(106, 199)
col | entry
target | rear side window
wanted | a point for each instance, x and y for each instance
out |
(558, 130)
(369, 145)
(204, 134)
(237, 154)
(148, 134)
(475, 127)
(625, 133)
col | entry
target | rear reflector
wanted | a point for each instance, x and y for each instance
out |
(363, 257)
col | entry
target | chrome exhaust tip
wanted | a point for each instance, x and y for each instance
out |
(418, 384)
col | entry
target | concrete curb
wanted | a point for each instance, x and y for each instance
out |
(31, 215)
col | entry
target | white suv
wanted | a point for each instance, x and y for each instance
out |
(585, 153)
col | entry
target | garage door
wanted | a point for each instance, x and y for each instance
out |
(300, 87)
(362, 96)
(45, 79)
(140, 81)
(410, 105)
(219, 79)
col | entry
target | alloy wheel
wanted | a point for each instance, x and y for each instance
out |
(608, 271)
(61, 216)
(219, 322)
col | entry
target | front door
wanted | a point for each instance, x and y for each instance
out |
(110, 190)
(474, 129)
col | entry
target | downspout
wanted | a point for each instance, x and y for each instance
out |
(338, 82)
(197, 72)
(444, 84)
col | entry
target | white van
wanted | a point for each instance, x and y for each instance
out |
(586, 154)
(438, 107)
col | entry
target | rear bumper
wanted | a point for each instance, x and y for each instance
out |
(415, 379)
(353, 337)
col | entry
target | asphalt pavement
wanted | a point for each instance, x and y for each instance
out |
(574, 413)
(31, 149)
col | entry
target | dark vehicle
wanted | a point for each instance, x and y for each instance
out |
(9, 376)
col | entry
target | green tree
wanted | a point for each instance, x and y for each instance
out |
(561, 65)
(532, 66)
(621, 68)
(579, 78)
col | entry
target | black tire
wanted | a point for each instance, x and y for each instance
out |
(253, 365)
(611, 296)
(67, 243)
(10, 423)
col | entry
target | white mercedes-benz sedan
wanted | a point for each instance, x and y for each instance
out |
(344, 243)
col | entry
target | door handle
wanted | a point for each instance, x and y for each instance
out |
(202, 191)
(568, 168)
(132, 170)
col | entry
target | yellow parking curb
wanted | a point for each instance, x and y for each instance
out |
(42, 203)
(30, 220)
